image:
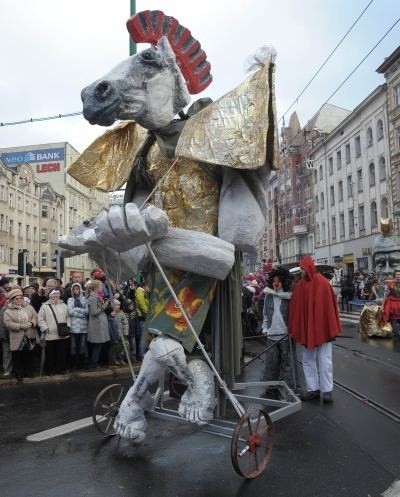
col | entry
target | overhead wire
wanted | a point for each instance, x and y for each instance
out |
(349, 75)
(325, 61)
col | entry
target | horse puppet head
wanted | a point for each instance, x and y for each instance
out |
(152, 86)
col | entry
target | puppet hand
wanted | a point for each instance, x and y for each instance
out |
(119, 229)
(125, 227)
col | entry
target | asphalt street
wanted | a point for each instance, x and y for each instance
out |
(348, 448)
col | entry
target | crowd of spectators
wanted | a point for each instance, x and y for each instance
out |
(104, 321)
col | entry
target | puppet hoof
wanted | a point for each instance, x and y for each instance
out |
(198, 401)
(130, 423)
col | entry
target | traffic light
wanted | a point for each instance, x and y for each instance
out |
(28, 269)
(22, 264)
(59, 264)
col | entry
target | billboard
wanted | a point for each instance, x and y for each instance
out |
(13, 159)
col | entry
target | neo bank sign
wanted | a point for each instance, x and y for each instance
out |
(46, 160)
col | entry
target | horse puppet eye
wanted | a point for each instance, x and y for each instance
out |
(151, 57)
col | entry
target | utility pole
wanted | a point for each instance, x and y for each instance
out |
(132, 44)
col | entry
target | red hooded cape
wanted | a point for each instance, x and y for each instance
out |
(313, 311)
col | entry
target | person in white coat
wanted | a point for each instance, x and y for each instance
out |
(56, 346)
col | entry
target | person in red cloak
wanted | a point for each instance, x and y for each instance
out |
(314, 323)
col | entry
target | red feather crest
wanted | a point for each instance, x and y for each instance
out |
(148, 27)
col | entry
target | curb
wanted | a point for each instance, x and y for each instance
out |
(76, 375)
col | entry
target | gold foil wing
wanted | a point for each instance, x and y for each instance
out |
(238, 130)
(370, 322)
(106, 164)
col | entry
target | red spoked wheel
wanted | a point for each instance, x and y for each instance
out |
(106, 408)
(252, 443)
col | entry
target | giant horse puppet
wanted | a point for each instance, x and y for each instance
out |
(205, 174)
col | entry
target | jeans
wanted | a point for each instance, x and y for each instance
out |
(78, 344)
(141, 348)
(395, 329)
(95, 356)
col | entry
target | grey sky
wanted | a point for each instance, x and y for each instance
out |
(51, 49)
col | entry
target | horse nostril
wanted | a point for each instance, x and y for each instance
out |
(102, 90)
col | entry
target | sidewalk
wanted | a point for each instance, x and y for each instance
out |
(72, 375)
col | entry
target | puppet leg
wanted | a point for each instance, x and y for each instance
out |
(130, 422)
(198, 402)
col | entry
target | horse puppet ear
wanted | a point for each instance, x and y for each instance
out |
(149, 26)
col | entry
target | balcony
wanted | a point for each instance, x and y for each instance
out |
(300, 229)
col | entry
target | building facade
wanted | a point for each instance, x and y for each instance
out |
(351, 194)
(291, 223)
(391, 70)
(39, 202)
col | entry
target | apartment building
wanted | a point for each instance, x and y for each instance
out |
(350, 185)
(391, 70)
(291, 222)
(39, 202)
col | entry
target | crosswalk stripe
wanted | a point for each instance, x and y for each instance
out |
(60, 430)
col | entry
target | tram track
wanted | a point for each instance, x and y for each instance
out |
(395, 416)
(364, 398)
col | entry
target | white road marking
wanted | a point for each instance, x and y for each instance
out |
(60, 430)
(393, 490)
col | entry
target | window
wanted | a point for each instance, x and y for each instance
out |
(330, 165)
(379, 129)
(357, 143)
(28, 232)
(44, 235)
(372, 174)
(11, 200)
(338, 160)
(333, 228)
(45, 211)
(351, 222)
(318, 234)
(19, 203)
(11, 228)
(332, 190)
(396, 95)
(2, 223)
(43, 258)
(2, 253)
(384, 207)
(397, 138)
(316, 203)
(323, 233)
(349, 186)
(340, 187)
(11, 256)
(321, 173)
(361, 217)
(3, 193)
(322, 201)
(382, 168)
(35, 234)
(347, 152)
(341, 221)
(374, 215)
(20, 231)
(359, 180)
(369, 137)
